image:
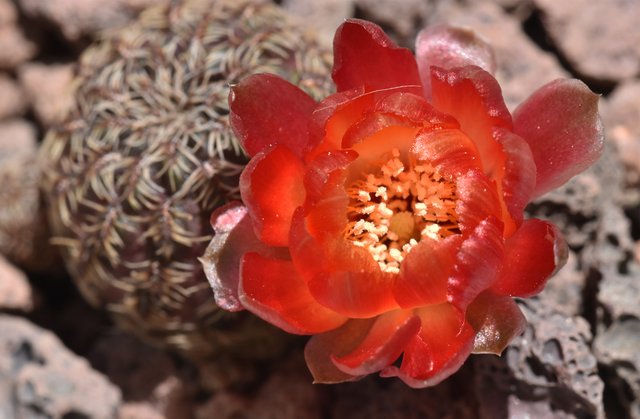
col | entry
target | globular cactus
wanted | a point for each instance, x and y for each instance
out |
(134, 172)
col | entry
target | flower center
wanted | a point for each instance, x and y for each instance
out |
(393, 208)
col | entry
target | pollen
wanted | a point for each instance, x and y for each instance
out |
(398, 204)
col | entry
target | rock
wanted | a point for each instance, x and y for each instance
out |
(327, 15)
(386, 13)
(78, 18)
(48, 88)
(15, 290)
(40, 378)
(617, 348)
(564, 289)
(13, 102)
(522, 66)
(8, 13)
(24, 231)
(599, 39)
(15, 48)
(621, 114)
(139, 410)
(17, 135)
(547, 372)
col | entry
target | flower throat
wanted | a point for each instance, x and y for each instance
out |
(395, 207)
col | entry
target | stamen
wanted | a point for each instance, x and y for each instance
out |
(396, 206)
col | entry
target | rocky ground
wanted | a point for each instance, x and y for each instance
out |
(60, 358)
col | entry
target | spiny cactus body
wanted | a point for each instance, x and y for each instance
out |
(134, 172)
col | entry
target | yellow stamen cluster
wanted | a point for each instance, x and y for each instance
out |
(393, 208)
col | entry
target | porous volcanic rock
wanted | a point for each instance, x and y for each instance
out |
(40, 378)
(600, 39)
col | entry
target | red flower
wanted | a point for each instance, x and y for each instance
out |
(387, 220)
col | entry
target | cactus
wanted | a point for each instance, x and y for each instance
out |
(133, 173)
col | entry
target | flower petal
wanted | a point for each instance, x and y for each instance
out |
(416, 109)
(272, 187)
(448, 47)
(473, 97)
(519, 178)
(339, 112)
(383, 344)
(267, 110)
(273, 290)
(477, 200)
(233, 237)
(532, 255)
(340, 275)
(360, 289)
(425, 271)
(561, 124)
(478, 263)
(364, 56)
(322, 348)
(440, 348)
(450, 151)
(497, 321)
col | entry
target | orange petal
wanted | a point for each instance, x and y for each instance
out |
(424, 273)
(450, 151)
(359, 289)
(477, 200)
(273, 290)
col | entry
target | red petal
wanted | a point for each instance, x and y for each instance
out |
(448, 47)
(450, 151)
(497, 321)
(272, 187)
(519, 173)
(478, 263)
(532, 255)
(477, 200)
(322, 348)
(473, 97)
(267, 110)
(327, 200)
(234, 237)
(425, 271)
(273, 290)
(364, 56)
(443, 344)
(561, 124)
(383, 344)
(319, 171)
